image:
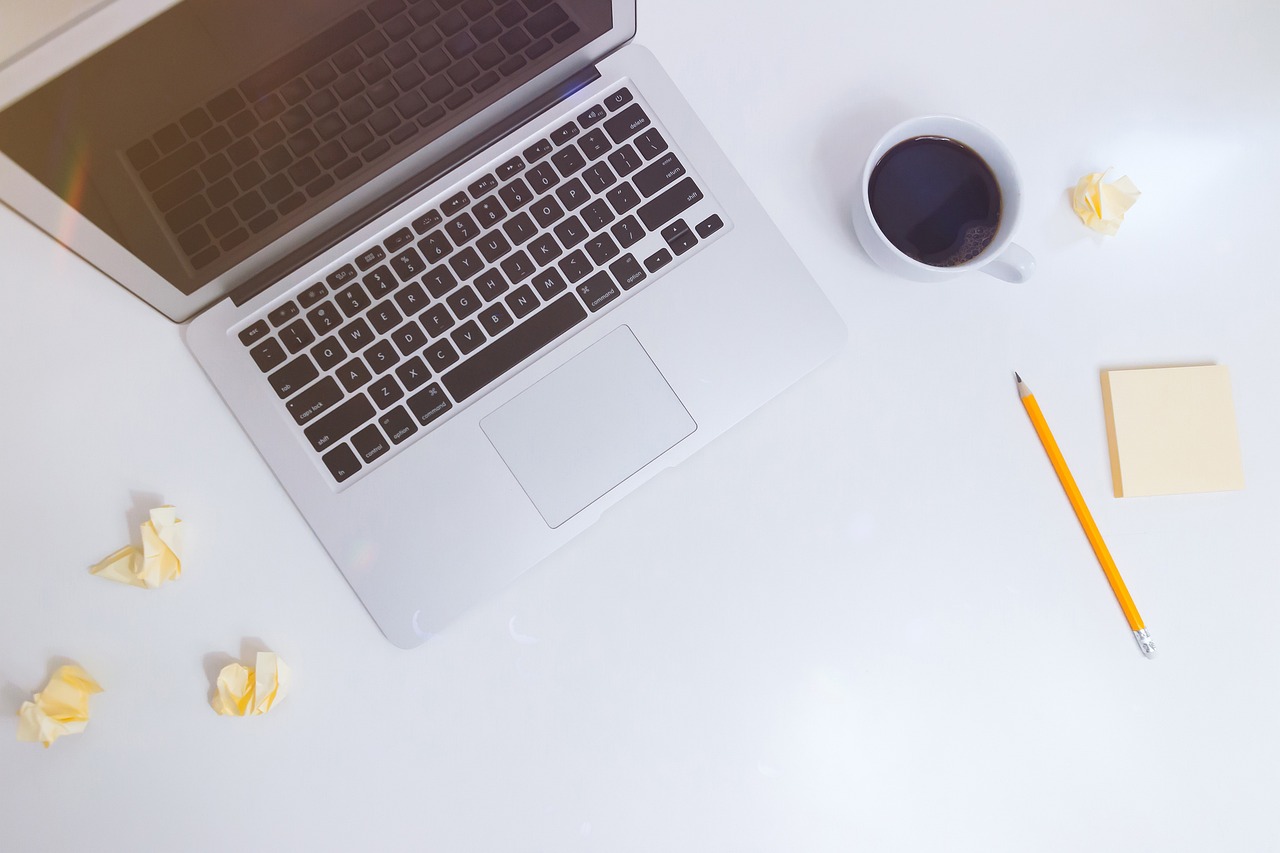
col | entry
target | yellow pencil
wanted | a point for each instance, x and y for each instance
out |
(1086, 519)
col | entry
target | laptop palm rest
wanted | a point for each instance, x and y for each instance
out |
(587, 426)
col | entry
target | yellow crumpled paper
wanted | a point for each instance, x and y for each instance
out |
(62, 708)
(249, 692)
(1102, 206)
(160, 558)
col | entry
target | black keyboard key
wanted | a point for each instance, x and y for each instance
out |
(628, 232)
(597, 215)
(283, 314)
(356, 334)
(398, 240)
(547, 211)
(462, 229)
(618, 99)
(312, 295)
(297, 335)
(515, 346)
(575, 266)
(463, 302)
(516, 194)
(521, 301)
(454, 204)
(268, 355)
(353, 375)
(490, 285)
(602, 249)
(591, 116)
(658, 174)
(598, 291)
(411, 299)
(651, 144)
(466, 263)
(429, 403)
(568, 160)
(573, 194)
(437, 320)
(483, 185)
(657, 260)
(519, 228)
(625, 160)
(489, 212)
(328, 352)
(709, 226)
(594, 144)
(412, 373)
(324, 317)
(679, 237)
(627, 123)
(293, 376)
(427, 221)
(408, 264)
(549, 282)
(254, 333)
(435, 247)
(493, 246)
(627, 271)
(441, 354)
(301, 58)
(671, 203)
(542, 177)
(381, 357)
(341, 462)
(510, 168)
(379, 282)
(353, 300)
(385, 392)
(467, 337)
(370, 257)
(518, 267)
(440, 281)
(340, 422)
(384, 317)
(409, 338)
(397, 424)
(537, 150)
(495, 319)
(545, 249)
(314, 401)
(571, 232)
(623, 198)
(369, 443)
(343, 275)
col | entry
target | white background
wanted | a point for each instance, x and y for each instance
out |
(864, 619)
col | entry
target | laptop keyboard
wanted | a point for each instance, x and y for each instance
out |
(455, 296)
(358, 91)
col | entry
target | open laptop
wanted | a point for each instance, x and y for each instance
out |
(466, 271)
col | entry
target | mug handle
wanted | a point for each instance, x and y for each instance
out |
(1015, 264)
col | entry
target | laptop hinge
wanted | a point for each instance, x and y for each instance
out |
(267, 277)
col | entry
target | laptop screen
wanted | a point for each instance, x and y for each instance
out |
(219, 126)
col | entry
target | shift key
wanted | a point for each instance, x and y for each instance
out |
(340, 422)
(670, 204)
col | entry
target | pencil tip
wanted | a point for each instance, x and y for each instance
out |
(1016, 376)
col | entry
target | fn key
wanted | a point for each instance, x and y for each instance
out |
(341, 462)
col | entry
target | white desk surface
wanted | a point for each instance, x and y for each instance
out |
(864, 619)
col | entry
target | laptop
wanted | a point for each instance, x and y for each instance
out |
(467, 272)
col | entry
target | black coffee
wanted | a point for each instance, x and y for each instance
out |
(936, 200)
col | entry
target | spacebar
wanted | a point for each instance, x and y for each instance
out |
(514, 347)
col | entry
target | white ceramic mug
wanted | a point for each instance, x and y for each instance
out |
(1003, 258)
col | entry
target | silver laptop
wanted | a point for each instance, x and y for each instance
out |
(467, 271)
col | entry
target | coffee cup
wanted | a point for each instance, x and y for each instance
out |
(941, 197)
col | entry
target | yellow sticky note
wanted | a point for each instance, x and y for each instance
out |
(251, 692)
(1172, 430)
(62, 708)
(1102, 206)
(159, 559)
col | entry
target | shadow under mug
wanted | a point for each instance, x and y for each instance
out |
(1002, 259)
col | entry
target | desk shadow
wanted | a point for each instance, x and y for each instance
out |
(215, 661)
(842, 149)
(140, 511)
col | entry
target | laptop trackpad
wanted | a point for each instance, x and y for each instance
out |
(588, 426)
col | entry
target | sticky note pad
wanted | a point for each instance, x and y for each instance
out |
(1172, 430)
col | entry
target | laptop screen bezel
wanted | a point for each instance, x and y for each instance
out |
(100, 27)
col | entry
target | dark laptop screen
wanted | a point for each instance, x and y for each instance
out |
(218, 126)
